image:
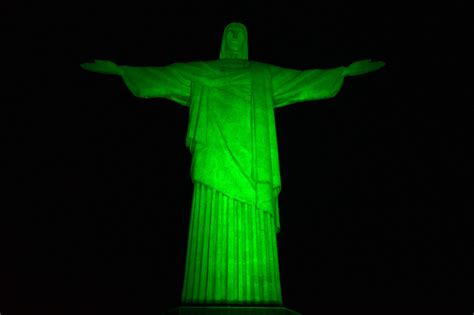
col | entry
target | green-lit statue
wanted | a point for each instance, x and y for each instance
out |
(232, 250)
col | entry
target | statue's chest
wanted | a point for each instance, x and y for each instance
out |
(232, 85)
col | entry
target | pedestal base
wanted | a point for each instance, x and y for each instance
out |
(230, 310)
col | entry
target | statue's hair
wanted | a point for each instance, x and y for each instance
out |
(245, 50)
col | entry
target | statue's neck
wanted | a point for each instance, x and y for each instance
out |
(234, 62)
(233, 55)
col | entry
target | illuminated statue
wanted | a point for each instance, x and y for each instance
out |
(232, 249)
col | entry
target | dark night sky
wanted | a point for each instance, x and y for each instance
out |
(374, 206)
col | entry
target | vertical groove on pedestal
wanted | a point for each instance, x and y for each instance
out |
(204, 246)
(220, 276)
(257, 270)
(194, 261)
(190, 254)
(246, 259)
(225, 250)
(240, 253)
(264, 251)
(211, 280)
(194, 244)
(274, 285)
(250, 260)
(232, 252)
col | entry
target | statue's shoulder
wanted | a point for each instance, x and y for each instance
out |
(193, 68)
(258, 64)
(193, 64)
(264, 66)
(219, 64)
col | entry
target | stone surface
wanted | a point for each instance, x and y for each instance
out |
(231, 310)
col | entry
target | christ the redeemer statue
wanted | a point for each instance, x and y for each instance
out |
(232, 254)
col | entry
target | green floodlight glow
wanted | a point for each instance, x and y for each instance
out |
(232, 255)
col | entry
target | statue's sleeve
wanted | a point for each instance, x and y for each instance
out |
(171, 82)
(293, 86)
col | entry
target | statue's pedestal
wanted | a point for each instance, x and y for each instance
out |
(230, 310)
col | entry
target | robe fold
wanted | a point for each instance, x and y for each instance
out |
(231, 132)
(235, 169)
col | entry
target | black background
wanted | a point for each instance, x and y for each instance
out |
(377, 182)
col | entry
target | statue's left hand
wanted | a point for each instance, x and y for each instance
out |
(362, 67)
(102, 66)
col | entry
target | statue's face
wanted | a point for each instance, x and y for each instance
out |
(234, 38)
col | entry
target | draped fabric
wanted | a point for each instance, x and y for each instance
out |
(232, 252)
(231, 132)
(232, 135)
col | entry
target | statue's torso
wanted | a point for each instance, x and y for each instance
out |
(230, 127)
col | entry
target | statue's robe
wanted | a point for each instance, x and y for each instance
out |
(232, 251)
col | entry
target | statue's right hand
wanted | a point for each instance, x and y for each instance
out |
(102, 66)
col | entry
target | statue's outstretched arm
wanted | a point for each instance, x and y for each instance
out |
(102, 66)
(167, 82)
(362, 67)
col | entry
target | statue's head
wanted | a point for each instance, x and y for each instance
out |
(234, 42)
